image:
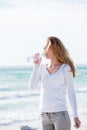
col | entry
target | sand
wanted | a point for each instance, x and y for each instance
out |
(34, 125)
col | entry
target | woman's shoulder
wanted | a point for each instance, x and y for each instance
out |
(66, 67)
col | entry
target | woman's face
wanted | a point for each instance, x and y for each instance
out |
(48, 50)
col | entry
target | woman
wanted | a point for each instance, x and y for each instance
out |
(56, 77)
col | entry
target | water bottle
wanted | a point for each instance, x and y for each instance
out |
(35, 58)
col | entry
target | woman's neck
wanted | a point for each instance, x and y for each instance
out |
(54, 62)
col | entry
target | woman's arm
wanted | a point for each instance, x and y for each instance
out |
(70, 87)
(35, 76)
(71, 94)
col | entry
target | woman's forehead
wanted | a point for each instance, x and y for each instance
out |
(47, 44)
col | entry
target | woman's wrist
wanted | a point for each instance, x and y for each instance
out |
(36, 65)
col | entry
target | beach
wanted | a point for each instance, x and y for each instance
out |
(24, 28)
(19, 106)
(34, 125)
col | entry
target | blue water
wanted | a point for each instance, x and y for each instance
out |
(18, 103)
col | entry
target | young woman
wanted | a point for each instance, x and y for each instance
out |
(56, 77)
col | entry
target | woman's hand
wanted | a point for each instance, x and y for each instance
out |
(77, 122)
(37, 58)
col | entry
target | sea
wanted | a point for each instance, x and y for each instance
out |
(19, 104)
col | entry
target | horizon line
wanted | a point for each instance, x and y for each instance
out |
(31, 65)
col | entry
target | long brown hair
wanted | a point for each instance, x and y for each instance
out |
(61, 52)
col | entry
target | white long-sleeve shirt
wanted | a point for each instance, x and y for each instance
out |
(53, 88)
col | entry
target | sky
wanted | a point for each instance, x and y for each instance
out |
(26, 24)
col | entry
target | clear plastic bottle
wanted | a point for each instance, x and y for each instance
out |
(35, 58)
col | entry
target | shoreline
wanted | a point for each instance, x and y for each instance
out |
(33, 125)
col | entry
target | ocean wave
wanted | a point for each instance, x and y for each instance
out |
(81, 91)
(16, 94)
(4, 87)
(12, 118)
(26, 94)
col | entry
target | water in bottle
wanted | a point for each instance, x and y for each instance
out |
(35, 58)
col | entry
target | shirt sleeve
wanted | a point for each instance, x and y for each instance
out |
(70, 87)
(35, 77)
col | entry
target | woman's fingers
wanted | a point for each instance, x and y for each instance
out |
(77, 122)
(37, 59)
